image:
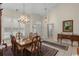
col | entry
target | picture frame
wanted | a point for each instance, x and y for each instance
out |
(68, 26)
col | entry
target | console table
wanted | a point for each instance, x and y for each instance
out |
(69, 37)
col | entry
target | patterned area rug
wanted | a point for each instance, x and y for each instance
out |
(45, 51)
(56, 45)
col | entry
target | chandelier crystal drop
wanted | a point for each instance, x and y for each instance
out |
(23, 18)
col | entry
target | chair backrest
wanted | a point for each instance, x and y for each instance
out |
(36, 43)
(30, 36)
(13, 42)
(33, 45)
(11, 36)
(38, 38)
(13, 39)
(18, 35)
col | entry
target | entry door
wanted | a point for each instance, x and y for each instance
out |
(37, 28)
(50, 28)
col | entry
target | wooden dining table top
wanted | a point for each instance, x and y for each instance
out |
(24, 42)
(21, 44)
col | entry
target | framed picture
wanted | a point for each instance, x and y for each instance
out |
(68, 26)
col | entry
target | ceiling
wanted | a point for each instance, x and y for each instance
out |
(30, 8)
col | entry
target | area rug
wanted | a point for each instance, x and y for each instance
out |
(56, 45)
(45, 51)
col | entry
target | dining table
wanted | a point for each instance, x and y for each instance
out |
(23, 43)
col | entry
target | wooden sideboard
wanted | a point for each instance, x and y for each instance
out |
(69, 37)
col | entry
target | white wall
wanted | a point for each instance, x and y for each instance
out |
(64, 12)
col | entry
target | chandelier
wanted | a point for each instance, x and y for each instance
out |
(23, 18)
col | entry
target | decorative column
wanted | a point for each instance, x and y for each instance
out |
(0, 21)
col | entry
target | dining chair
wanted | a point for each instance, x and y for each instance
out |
(15, 48)
(13, 42)
(18, 35)
(38, 43)
(34, 49)
(11, 36)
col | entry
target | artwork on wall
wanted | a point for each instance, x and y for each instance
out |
(68, 26)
